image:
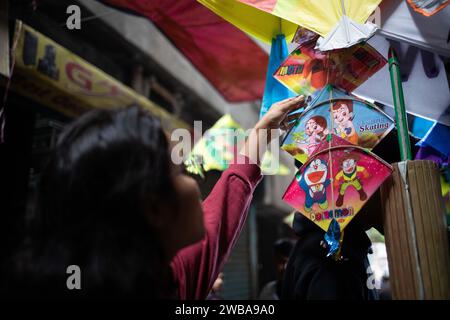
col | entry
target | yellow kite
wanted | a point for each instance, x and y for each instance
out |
(218, 146)
(261, 24)
(341, 23)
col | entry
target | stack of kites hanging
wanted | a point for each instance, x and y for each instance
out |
(335, 133)
(334, 184)
(344, 115)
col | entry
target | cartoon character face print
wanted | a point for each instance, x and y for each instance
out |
(316, 172)
(343, 120)
(312, 127)
(349, 165)
(316, 129)
(348, 177)
(342, 115)
(314, 183)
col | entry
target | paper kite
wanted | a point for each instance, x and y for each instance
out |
(335, 183)
(254, 17)
(332, 111)
(307, 69)
(218, 147)
(274, 91)
(341, 23)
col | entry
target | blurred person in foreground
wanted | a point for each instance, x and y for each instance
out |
(112, 202)
(282, 251)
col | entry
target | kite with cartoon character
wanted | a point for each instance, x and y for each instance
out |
(333, 111)
(316, 129)
(343, 120)
(356, 173)
(350, 176)
(314, 183)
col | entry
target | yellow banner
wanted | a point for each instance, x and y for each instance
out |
(55, 77)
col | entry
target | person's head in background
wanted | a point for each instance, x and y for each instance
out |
(112, 202)
(282, 251)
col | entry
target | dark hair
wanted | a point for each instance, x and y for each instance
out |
(337, 104)
(321, 121)
(106, 167)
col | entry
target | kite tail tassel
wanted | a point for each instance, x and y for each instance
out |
(333, 240)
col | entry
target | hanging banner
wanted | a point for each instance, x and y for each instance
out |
(55, 77)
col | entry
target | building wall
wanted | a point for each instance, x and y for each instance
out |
(146, 37)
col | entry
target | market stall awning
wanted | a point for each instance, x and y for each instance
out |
(232, 62)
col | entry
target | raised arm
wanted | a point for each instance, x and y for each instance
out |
(225, 210)
(196, 267)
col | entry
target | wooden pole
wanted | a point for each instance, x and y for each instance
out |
(416, 232)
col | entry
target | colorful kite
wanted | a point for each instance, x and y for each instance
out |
(307, 69)
(341, 23)
(428, 7)
(218, 147)
(274, 91)
(332, 111)
(334, 184)
(253, 17)
(304, 35)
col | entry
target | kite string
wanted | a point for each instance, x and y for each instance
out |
(332, 130)
(344, 12)
(330, 159)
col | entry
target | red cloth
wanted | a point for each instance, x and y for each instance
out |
(196, 267)
(233, 63)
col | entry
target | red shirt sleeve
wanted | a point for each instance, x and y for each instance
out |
(196, 267)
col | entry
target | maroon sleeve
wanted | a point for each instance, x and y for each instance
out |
(196, 267)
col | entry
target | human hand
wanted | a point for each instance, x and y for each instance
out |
(267, 128)
(278, 115)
